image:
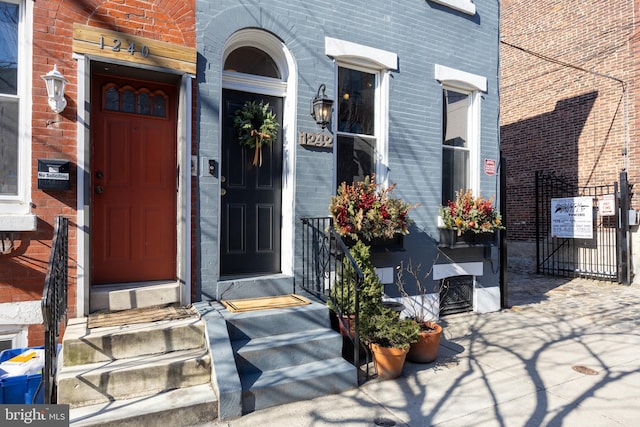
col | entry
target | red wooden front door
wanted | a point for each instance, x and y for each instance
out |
(133, 181)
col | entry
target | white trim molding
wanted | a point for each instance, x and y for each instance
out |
(464, 6)
(21, 313)
(360, 54)
(27, 222)
(442, 271)
(461, 79)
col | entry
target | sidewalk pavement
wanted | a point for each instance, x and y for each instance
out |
(564, 354)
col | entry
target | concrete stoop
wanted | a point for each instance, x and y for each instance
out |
(131, 375)
(271, 357)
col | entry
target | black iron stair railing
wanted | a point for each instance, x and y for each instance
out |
(326, 260)
(54, 303)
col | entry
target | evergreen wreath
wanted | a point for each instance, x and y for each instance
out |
(256, 126)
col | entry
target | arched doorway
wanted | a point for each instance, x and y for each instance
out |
(252, 218)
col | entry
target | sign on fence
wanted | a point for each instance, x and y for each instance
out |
(607, 205)
(572, 217)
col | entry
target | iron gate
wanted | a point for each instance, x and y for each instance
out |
(605, 255)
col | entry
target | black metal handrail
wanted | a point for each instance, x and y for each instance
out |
(325, 260)
(54, 303)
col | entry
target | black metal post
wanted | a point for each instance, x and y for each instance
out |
(504, 284)
(623, 231)
(538, 225)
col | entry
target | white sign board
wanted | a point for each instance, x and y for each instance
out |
(607, 205)
(572, 217)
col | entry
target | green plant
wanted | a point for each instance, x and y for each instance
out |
(366, 211)
(256, 126)
(344, 287)
(467, 213)
(387, 329)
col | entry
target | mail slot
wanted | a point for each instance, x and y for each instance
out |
(53, 174)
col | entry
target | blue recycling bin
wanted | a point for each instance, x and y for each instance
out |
(20, 389)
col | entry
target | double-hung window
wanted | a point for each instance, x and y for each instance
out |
(456, 146)
(460, 130)
(361, 109)
(15, 117)
(356, 125)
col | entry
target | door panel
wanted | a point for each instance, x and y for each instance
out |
(133, 183)
(252, 199)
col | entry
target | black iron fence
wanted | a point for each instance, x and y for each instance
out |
(54, 303)
(330, 272)
(595, 254)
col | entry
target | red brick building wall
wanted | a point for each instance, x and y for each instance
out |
(563, 105)
(22, 272)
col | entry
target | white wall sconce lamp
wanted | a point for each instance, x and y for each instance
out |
(56, 83)
(321, 107)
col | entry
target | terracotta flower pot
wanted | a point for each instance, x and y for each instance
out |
(388, 361)
(425, 350)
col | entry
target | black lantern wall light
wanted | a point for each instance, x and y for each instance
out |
(321, 107)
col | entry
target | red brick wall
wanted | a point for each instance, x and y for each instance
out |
(54, 135)
(562, 104)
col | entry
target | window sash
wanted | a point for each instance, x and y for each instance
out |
(456, 152)
(9, 146)
(356, 158)
(9, 34)
(14, 197)
(357, 112)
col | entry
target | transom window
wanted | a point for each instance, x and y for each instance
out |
(356, 114)
(129, 100)
(251, 60)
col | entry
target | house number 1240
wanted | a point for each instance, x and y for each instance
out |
(118, 47)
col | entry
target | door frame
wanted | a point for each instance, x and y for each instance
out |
(285, 88)
(183, 200)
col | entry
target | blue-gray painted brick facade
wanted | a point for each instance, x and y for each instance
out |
(421, 33)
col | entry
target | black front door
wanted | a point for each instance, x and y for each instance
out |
(250, 195)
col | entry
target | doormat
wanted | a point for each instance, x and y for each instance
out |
(140, 315)
(264, 303)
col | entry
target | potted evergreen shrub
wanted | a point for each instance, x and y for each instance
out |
(389, 339)
(343, 292)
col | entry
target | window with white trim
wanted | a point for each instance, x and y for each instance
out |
(356, 125)
(460, 130)
(361, 113)
(15, 118)
(12, 337)
(456, 146)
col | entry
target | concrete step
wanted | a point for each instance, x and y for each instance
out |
(132, 377)
(82, 345)
(280, 351)
(179, 407)
(263, 323)
(126, 296)
(301, 382)
(253, 287)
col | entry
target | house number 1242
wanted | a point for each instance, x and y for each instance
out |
(118, 47)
